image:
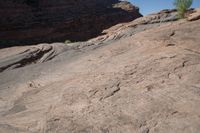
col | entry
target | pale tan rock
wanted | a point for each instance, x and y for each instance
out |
(194, 16)
(133, 82)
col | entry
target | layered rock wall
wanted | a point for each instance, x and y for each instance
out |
(36, 21)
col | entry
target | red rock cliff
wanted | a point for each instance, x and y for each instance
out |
(36, 21)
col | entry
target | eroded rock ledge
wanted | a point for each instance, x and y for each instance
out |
(36, 21)
(139, 77)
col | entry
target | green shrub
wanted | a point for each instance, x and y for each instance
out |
(67, 41)
(182, 6)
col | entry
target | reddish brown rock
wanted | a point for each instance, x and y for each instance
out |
(142, 77)
(36, 21)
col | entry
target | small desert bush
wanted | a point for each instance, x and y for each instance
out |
(182, 6)
(67, 41)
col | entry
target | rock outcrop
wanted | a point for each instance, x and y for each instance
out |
(139, 77)
(45, 52)
(36, 21)
(194, 16)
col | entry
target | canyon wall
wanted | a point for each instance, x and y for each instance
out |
(37, 21)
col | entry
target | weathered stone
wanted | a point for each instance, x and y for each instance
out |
(144, 79)
(36, 21)
(194, 16)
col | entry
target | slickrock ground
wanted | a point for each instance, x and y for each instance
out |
(140, 77)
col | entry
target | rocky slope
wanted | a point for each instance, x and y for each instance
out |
(36, 21)
(139, 77)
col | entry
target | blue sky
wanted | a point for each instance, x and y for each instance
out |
(150, 6)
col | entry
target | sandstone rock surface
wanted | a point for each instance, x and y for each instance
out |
(37, 21)
(195, 16)
(140, 77)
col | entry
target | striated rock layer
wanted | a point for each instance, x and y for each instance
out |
(139, 77)
(36, 21)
